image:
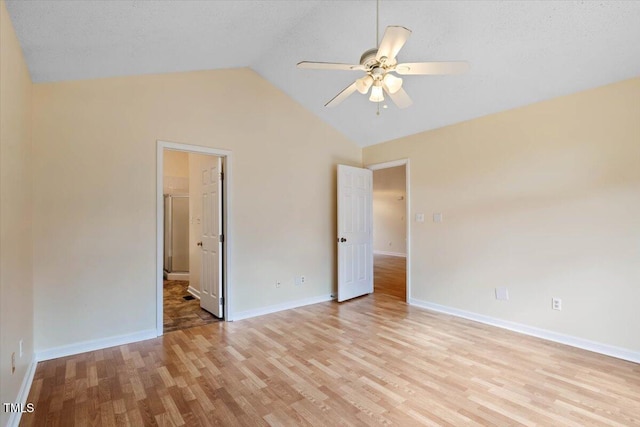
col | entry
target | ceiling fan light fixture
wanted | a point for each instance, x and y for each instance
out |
(378, 64)
(376, 93)
(363, 84)
(392, 83)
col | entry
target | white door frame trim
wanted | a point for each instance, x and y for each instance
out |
(392, 164)
(227, 222)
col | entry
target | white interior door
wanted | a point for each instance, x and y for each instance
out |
(211, 278)
(355, 232)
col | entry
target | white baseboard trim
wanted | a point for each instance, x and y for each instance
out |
(91, 345)
(280, 307)
(596, 347)
(194, 292)
(398, 254)
(178, 276)
(23, 393)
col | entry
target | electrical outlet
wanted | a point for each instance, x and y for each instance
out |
(502, 294)
(299, 280)
(13, 363)
(556, 303)
(278, 283)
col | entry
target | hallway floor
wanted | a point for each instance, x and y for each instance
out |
(389, 276)
(180, 313)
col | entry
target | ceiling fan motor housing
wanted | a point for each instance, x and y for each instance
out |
(368, 59)
(377, 72)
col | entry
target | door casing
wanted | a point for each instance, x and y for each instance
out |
(406, 163)
(227, 227)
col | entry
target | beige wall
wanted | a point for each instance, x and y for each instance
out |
(544, 200)
(175, 172)
(16, 283)
(95, 209)
(389, 210)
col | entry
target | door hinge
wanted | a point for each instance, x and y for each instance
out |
(221, 300)
(222, 238)
(221, 176)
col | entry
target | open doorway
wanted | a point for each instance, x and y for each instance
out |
(391, 229)
(192, 217)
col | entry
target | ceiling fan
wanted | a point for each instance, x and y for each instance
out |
(378, 65)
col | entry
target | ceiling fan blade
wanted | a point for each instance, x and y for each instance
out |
(342, 95)
(329, 66)
(392, 41)
(363, 84)
(400, 97)
(452, 67)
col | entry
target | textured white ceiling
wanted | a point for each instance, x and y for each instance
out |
(520, 52)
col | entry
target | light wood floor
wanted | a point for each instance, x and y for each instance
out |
(373, 360)
(389, 276)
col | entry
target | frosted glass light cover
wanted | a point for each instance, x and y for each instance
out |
(376, 94)
(392, 83)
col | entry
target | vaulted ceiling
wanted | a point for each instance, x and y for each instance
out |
(520, 52)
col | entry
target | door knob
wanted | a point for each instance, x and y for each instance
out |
(199, 243)
(342, 240)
